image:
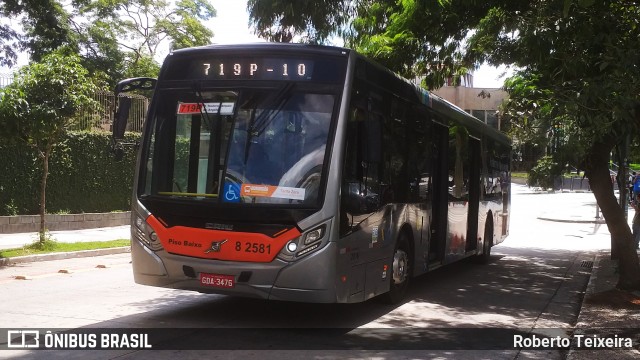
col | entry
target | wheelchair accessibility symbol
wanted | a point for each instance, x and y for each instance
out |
(231, 192)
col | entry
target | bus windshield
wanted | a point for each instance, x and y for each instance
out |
(243, 145)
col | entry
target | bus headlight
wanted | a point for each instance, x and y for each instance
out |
(145, 234)
(292, 246)
(303, 245)
(314, 235)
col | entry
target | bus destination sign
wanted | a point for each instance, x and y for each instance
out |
(294, 68)
(260, 69)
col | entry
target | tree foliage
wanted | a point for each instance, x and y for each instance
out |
(124, 36)
(40, 104)
(44, 24)
(310, 21)
(113, 37)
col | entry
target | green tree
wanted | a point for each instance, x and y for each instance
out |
(582, 54)
(45, 26)
(311, 21)
(8, 39)
(125, 35)
(114, 38)
(537, 125)
(41, 104)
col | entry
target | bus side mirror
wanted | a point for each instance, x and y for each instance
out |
(121, 111)
(122, 106)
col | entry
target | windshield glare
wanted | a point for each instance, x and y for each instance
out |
(249, 146)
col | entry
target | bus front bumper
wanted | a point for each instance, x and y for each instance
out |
(307, 280)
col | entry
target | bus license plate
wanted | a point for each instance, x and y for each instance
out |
(217, 280)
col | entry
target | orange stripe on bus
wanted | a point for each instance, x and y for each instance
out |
(280, 232)
(220, 244)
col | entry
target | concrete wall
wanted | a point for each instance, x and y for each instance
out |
(31, 223)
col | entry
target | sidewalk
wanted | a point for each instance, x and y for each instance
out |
(605, 312)
(608, 313)
(12, 241)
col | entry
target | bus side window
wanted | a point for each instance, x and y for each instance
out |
(396, 165)
(420, 156)
(362, 161)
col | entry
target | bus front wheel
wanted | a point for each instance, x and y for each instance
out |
(399, 279)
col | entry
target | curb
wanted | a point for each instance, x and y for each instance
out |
(63, 255)
(591, 285)
(547, 192)
(595, 221)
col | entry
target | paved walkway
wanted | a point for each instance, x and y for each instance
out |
(605, 312)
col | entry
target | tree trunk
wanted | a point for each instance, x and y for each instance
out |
(597, 171)
(43, 188)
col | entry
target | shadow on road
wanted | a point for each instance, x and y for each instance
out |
(462, 306)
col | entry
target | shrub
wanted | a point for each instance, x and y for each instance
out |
(544, 173)
(83, 177)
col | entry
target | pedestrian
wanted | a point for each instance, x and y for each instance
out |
(635, 224)
(632, 178)
(636, 187)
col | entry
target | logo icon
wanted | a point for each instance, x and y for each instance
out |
(23, 338)
(215, 246)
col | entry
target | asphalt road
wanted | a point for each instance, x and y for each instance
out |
(534, 283)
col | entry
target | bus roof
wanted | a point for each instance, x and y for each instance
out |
(258, 46)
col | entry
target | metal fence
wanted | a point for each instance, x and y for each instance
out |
(5, 79)
(100, 117)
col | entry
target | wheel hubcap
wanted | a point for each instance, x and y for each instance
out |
(400, 270)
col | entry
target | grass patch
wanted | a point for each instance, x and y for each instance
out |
(525, 175)
(51, 246)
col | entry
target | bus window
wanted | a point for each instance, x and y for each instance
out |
(459, 163)
(420, 156)
(361, 169)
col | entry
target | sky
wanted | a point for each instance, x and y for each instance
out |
(231, 25)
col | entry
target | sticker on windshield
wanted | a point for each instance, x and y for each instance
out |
(281, 192)
(225, 108)
(231, 192)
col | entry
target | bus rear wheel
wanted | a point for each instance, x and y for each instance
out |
(399, 279)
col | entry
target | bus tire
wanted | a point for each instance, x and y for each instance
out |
(400, 271)
(485, 257)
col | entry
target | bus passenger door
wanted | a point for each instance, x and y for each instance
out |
(439, 211)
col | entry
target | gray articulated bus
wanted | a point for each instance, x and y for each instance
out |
(306, 173)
